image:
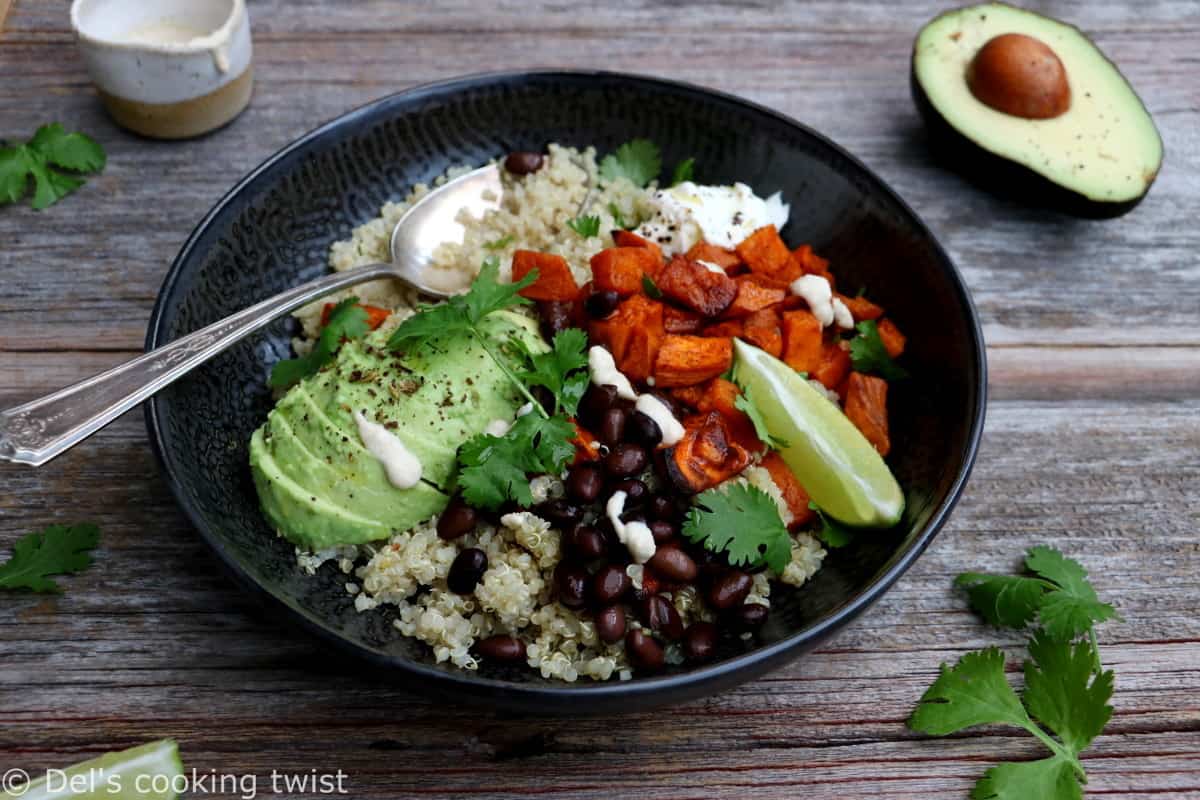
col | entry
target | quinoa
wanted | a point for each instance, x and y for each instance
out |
(514, 595)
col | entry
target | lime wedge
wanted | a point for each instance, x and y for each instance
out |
(836, 465)
(150, 772)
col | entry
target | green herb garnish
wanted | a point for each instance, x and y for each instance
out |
(743, 522)
(496, 469)
(619, 218)
(57, 550)
(868, 354)
(499, 244)
(639, 161)
(562, 370)
(347, 320)
(587, 227)
(683, 171)
(746, 403)
(43, 157)
(832, 533)
(651, 288)
(1065, 704)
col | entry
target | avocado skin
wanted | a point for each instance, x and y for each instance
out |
(1000, 176)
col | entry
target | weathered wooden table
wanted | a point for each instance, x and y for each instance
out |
(1092, 443)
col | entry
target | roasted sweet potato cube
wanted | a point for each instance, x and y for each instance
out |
(704, 251)
(693, 286)
(624, 238)
(802, 341)
(678, 320)
(633, 334)
(766, 254)
(794, 495)
(834, 366)
(893, 340)
(621, 269)
(861, 308)
(554, 279)
(810, 263)
(761, 329)
(729, 327)
(686, 360)
(376, 316)
(705, 456)
(866, 406)
(587, 446)
(753, 294)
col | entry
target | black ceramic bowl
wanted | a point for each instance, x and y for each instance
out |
(274, 229)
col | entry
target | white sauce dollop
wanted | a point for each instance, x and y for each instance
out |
(636, 536)
(497, 427)
(604, 371)
(828, 309)
(655, 409)
(722, 215)
(711, 267)
(402, 467)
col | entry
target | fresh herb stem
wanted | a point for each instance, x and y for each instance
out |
(482, 340)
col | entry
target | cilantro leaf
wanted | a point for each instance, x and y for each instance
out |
(495, 469)
(651, 288)
(1052, 777)
(683, 171)
(868, 354)
(832, 533)
(462, 313)
(57, 550)
(639, 161)
(742, 521)
(1073, 607)
(1007, 601)
(745, 402)
(50, 150)
(1064, 693)
(499, 244)
(972, 692)
(559, 370)
(619, 218)
(347, 320)
(587, 227)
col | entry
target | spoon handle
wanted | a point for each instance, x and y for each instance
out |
(41, 429)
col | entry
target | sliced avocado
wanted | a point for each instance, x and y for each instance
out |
(988, 81)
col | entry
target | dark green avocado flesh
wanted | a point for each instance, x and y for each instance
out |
(317, 482)
(1097, 159)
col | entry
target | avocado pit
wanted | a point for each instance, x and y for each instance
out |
(1020, 75)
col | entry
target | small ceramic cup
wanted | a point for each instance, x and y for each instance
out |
(169, 69)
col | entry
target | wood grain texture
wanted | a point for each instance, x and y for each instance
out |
(1093, 439)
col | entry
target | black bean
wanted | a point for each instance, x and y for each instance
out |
(643, 429)
(501, 648)
(571, 581)
(644, 652)
(601, 304)
(588, 543)
(612, 426)
(749, 616)
(596, 400)
(610, 624)
(700, 641)
(523, 163)
(662, 531)
(584, 483)
(635, 491)
(659, 615)
(556, 316)
(458, 519)
(663, 507)
(466, 570)
(730, 589)
(625, 460)
(673, 563)
(560, 513)
(610, 584)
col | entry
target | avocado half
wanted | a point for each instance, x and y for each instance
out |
(1096, 159)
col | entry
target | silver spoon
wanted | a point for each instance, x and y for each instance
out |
(37, 431)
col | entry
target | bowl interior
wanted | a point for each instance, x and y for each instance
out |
(275, 229)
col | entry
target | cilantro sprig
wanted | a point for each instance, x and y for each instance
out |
(1065, 704)
(743, 522)
(562, 370)
(347, 320)
(831, 533)
(745, 402)
(56, 550)
(496, 469)
(586, 227)
(499, 244)
(683, 171)
(868, 354)
(639, 161)
(43, 158)
(619, 218)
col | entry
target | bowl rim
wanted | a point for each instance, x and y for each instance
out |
(550, 697)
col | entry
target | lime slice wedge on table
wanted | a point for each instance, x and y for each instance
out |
(836, 465)
(150, 772)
